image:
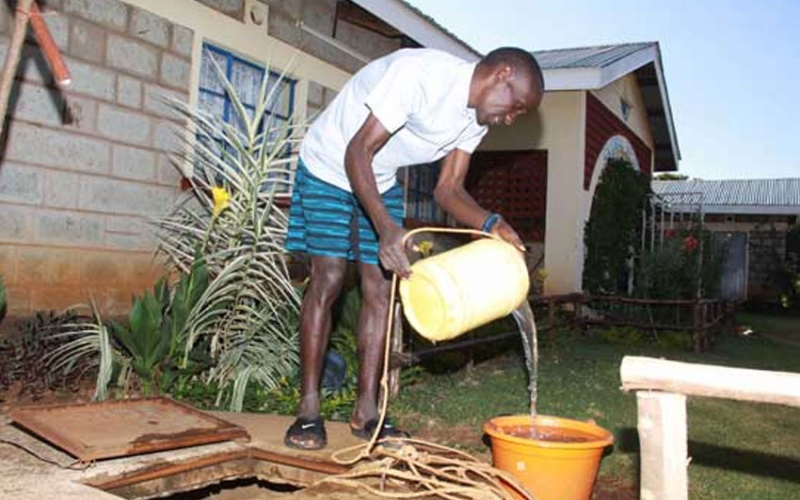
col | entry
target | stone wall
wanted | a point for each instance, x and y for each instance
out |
(766, 254)
(84, 168)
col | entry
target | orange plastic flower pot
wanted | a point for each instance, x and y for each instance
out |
(560, 464)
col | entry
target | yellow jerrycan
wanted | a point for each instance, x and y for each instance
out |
(463, 288)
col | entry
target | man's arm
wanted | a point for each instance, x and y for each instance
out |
(453, 197)
(358, 157)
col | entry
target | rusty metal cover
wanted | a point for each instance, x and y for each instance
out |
(92, 431)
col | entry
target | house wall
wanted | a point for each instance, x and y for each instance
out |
(84, 168)
(573, 127)
(628, 88)
(766, 249)
(557, 127)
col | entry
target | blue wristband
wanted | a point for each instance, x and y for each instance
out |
(489, 223)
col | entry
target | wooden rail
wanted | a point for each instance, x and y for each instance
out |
(661, 401)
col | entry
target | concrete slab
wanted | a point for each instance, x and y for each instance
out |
(47, 474)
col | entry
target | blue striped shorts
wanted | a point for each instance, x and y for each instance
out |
(329, 221)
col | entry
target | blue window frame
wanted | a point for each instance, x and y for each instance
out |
(246, 78)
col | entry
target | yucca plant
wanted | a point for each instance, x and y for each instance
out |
(248, 314)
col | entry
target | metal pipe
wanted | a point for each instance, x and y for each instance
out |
(51, 54)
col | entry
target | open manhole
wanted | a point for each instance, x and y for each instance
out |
(250, 488)
(250, 473)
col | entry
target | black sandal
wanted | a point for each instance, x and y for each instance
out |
(306, 434)
(387, 431)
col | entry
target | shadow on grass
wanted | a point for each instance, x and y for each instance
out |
(748, 461)
(726, 458)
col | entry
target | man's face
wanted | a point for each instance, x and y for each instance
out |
(507, 98)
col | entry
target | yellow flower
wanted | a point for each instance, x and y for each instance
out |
(221, 199)
(425, 248)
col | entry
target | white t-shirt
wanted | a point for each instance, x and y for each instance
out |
(419, 95)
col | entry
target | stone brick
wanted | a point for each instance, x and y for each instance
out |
(21, 183)
(69, 227)
(167, 136)
(149, 27)
(157, 97)
(167, 171)
(104, 268)
(111, 13)
(182, 40)
(146, 269)
(175, 71)
(125, 224)
(87, 41)
(18, 302)
(129, 91)
(38, 104)
(91, 80)
(15, 223)
(49, 267)
(124, 197)
(122, 125)
(9, 257)
(233, 8)
(81, 113)
(130, 242)
(134, 163)
(57, 298)
(61, 189)
(129, 55)
(64, 149)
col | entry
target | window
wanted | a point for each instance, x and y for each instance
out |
(625, 108)
(420, 207)
(246, 78)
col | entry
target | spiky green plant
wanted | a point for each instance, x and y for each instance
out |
(248, 314)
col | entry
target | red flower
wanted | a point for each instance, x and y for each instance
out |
(690, 244)
(670, 233)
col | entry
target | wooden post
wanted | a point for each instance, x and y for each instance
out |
(697, 328)
(396, 348)
(13, 53)
(662, 443)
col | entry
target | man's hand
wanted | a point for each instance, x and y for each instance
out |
(391, 253)
(504, 230)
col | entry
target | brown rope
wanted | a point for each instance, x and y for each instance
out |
(412, 468)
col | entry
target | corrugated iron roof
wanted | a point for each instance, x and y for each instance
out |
(588, 57)
(739, 192)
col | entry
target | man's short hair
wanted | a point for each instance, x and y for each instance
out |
(518, 59)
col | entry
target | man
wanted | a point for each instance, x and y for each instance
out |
(411, 107)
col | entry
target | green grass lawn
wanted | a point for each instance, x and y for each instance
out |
(739, 450)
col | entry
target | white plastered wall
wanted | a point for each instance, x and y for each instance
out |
(627, 88)
(558, 126)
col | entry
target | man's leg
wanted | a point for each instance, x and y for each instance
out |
(375, 288)
(327, 275)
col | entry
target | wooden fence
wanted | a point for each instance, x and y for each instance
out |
(698, 318)
(662, 387)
